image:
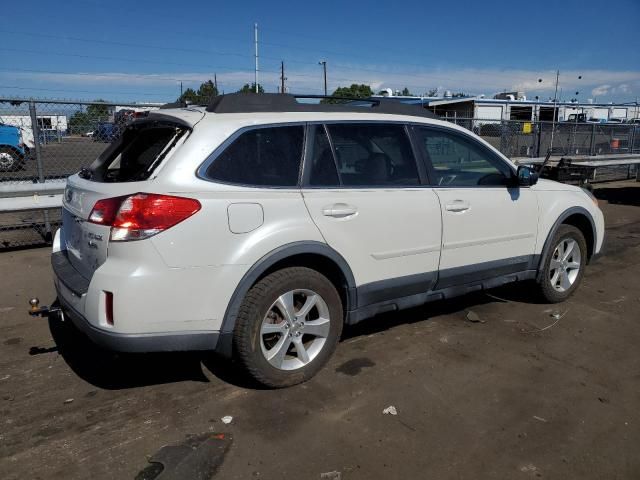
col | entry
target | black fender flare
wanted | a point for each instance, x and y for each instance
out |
(546, 249)
(224, 345)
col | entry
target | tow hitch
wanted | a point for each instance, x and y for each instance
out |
(54, 311)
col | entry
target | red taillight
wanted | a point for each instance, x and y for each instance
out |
(142, 215)
(104, 211)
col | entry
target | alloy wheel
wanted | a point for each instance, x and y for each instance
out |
(295, 329)
(565, 264)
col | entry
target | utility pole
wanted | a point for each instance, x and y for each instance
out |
(555, 111)
(282, 77)
(180, 88)
(324, 68)
(215, 81)
(255, 38)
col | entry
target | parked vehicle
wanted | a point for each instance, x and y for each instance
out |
(12, 148)
(259, 226)
(577, 118)
(106, 132)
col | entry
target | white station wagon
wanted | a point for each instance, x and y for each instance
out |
(259, 225)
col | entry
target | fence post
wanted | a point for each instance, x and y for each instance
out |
(632, 140)
(592, 143)
(39, 166)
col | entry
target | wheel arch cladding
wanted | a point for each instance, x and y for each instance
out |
(577, 217)
(315, 255)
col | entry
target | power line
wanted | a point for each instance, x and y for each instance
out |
(124, 44)
(15, 87)
(123, 59)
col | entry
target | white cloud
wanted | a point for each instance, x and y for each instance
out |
(601, 90)
(309, 80)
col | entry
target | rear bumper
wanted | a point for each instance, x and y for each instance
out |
(72, 289)
(138, 343)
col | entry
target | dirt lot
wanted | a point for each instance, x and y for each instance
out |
(519, 396)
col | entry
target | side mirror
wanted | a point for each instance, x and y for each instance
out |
(527, 176)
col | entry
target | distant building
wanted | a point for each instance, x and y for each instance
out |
(523, 109)
(516, 106)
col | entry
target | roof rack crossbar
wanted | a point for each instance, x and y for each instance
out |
(277, 102)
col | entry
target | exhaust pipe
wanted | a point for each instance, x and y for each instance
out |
(54, 311)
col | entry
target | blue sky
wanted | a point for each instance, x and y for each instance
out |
(141, 50)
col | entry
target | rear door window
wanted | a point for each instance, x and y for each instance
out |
(370, 154)
(264, 157)
(137, 153)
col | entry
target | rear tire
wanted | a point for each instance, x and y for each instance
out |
(564, 266)
(288, 326)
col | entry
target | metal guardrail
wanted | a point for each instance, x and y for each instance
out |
(57, 139)
(64, 136)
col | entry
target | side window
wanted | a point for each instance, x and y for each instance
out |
(373, 154)
(322, 164)
(462, 162)
(267, 156)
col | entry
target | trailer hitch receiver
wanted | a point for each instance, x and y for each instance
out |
(36, 310)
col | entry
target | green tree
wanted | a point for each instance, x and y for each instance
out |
(459, 94)
(432, 93)
(188, 96)
(86, 120)
(354, 91)
(406, 92)
(207, 91)
(99, 112)
(251, 88)
(202, 96)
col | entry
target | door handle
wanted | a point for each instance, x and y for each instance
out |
(339, 210)
(457, 206)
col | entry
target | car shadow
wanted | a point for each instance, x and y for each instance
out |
(514, 292)
(116, 371)
(619, 196)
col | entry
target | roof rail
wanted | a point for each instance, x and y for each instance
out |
(277, 102)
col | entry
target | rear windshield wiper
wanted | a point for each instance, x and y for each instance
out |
(85, 173)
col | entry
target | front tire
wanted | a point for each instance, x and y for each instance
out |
(288, 326)
(563, 268)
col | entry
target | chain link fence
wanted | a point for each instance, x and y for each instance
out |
(43, 142)
(517, 138)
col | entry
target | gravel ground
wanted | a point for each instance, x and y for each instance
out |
(521, 395)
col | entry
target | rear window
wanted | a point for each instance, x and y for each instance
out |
(265, 157)
(136, 154)
(368, 154)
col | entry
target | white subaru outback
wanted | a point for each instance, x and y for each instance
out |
(259, 225)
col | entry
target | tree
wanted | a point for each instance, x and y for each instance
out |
(85, 121)
(203, 96)
(459, 94)
(405, 92)
(354, 91)
(188, 96)
(251, 88)
(99, 112)
(432, 93)
(207, 91)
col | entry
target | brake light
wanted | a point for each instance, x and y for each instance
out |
(142, 215)
(104, 211)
